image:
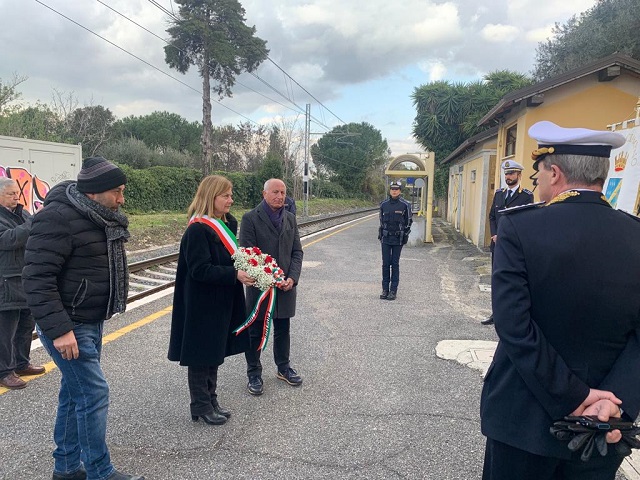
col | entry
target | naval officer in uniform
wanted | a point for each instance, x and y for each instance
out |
(513, 195)
(566, 303)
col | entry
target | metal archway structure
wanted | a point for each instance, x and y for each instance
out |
(425, 162)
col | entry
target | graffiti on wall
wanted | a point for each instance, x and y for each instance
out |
(32, 189)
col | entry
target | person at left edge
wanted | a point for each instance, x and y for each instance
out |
(16, 321)
(76, 277)
(208, 303)
(395, 225)
(513, 195)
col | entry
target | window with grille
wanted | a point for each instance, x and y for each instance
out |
(510, 147)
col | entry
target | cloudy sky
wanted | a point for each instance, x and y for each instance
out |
(360, 59)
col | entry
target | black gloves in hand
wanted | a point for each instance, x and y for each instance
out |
(583, 433)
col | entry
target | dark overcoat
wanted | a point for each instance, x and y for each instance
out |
(566, 306)
(522, 196)
(14, 231)
(208, 303)
(258, 231)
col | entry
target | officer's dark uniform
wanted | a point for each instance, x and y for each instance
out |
(501, 201)
(521, 196)
(565, 292)
(395, 225)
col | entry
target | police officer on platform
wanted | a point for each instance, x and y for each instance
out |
(513, 195)
(395, 225)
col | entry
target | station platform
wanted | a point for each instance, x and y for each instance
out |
(384, 395)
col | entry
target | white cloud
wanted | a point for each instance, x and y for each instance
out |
(499, 33)
(435, 70)
(538, 35)
(334, 48)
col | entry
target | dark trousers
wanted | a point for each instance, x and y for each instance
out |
(390, 267)
(16, 328)
(281, 345)
(503, 462)
(202, 388)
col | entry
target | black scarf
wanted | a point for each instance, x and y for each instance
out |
(115, 226)
(275, 217)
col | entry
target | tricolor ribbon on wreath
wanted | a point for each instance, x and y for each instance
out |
(259, 266)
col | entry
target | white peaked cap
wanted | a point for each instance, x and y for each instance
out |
(548, 133)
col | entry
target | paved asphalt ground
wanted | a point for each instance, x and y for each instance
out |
(376, 403)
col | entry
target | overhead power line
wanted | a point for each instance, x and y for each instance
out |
(140, 59)
(177, 48)
(154, 2)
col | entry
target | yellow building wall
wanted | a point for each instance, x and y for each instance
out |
(468, 191)
(472, 202)
(584, 103)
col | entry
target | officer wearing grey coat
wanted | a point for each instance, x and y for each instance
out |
(274, 231)
(16, 321)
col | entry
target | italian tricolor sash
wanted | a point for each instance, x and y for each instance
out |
(230, 242)
(227, 237)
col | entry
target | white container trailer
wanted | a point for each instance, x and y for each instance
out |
(37, 166)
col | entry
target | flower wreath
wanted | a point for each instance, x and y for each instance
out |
(259, 266)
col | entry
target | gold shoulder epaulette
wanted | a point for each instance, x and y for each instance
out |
(526, 190)
(563, 196)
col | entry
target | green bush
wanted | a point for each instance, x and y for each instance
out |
(157, 189)
(327, 189)
(160, 188)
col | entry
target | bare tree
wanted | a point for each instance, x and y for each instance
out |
(8, 92)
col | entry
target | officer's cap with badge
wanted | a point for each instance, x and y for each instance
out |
(395, 184)
(509, 166)
(553, 139)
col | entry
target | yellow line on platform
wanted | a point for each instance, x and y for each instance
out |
(50, 366)
(334, 233)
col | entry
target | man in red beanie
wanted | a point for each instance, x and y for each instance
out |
(75, 278)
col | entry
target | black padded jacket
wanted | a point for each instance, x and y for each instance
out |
(66, 273)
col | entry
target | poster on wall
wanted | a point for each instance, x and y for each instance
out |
(622, 186)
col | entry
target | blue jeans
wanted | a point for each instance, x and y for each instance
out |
(390, 267)
(81, 423)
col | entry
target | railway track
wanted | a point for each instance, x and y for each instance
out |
(150, 276)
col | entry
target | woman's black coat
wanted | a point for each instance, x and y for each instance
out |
(208, 303)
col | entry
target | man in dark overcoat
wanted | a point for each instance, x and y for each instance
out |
(566, 303)
(16, 321)
(513, 195)
(274, 231)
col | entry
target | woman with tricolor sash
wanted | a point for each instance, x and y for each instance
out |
(208, 302)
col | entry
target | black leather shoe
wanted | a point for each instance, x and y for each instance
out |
(219, 410)
(116, 475)
(80, 474)
(488, 321)
(212, 418)
(255, 385)
(384, 295)
(392, 295)
(290, 376)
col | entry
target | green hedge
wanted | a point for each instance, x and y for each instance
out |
(156, 189)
